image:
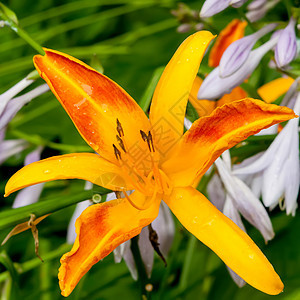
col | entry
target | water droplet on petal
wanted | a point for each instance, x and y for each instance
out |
(195, 220)
(46, 171)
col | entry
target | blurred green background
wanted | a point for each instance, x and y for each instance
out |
(131, 39)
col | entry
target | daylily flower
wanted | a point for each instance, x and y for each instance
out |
(272, 90)
(232, 32)
(153, 158)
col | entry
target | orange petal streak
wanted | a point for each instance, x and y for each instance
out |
(86, 166)
(209, 136)
(171, 94)
(93, 101)
(225, 238)
(232, 32)
(100, 229)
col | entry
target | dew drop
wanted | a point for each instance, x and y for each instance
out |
(179, 197)
(195, 220)
(87, 88)
(46, 171)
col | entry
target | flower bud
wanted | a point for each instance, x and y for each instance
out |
(237, 53)
(286, 48)
(212, 7)
(214, 86)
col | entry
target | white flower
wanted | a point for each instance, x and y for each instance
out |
(280, 167)
(30, 194)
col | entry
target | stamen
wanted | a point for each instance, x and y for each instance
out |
(148, 139)
(120, 128)
(131, 202)
(121, 143)
(118, 194)
(144, 135)
(117, 152)
(153, 237)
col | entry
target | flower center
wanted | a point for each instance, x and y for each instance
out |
(152, 184)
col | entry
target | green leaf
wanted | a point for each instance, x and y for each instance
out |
(8, 264)
(16, 216)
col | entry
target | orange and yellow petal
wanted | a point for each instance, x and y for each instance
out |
(171, 94)
(199, 216)
(100, 229)
(93, 101)
(232, 32)
(210, 136)
(206, 107)
(272, 90)
(86, 166)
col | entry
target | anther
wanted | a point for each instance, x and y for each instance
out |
(144, 135)
(117, 152)
(121, 143)
(148, 139)
(118, 194)
(120, 128)
(153, 237)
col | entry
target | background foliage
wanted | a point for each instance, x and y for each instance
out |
(131, 38)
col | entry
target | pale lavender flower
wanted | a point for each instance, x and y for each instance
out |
(214, 86)
(10, 148)
(235, 199)
(212, 7)
(80, 207)
(286, 48)
(257, 9)
(237, 53)
(14, 105)
(256, 4)
(16, 89)
(30, 194)
(245, 201)
(165, 229)
(280, 167)
(237, 3)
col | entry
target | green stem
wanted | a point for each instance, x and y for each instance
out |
(184, 278)
(39, 141)
(36, 262)
(146, 98)
(243, 16)
(45, 271)
(142, 275)
(26, 37)
(16, 216)
(11, 20)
